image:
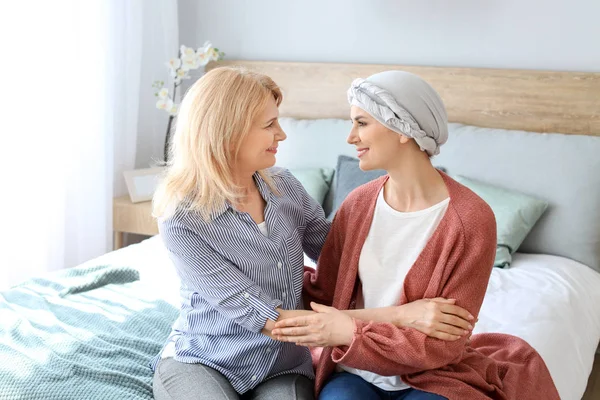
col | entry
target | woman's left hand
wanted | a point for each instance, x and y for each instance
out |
(329, 327)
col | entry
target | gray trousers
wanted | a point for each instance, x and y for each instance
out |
(174, 380)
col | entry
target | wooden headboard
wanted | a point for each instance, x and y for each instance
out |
(538, 101)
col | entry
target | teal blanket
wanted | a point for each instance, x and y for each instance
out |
(83, 333)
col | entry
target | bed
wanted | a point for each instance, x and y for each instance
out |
(89, 332)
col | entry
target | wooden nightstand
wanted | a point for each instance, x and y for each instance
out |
(131, 217)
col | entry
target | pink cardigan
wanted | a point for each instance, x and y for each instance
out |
(456, 263)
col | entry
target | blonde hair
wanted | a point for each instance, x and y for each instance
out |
(215, 116)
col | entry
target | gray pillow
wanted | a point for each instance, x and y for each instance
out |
(348, 176)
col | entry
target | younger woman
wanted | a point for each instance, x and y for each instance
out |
(410, 235)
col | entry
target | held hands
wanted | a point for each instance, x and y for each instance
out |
(327, 327)
(439, 318)
(283, 314)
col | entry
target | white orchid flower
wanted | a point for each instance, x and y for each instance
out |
(202, 58)
(190, 63)
(164, 104)
(207, 45)
(174, 109)
(174, 63)
(180, 75)
(213, 54)
(189, 60)
(186, 51)
(210, 53)
(204, 53)
(164, 93)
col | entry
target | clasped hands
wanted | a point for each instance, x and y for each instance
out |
(329, 327)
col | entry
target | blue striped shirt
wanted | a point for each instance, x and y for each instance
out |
(233, 278)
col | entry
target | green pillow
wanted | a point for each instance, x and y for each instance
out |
(316, 181)
(516, 214)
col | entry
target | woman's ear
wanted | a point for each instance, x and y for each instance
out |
(404, 139)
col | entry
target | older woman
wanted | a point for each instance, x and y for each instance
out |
(236, 232)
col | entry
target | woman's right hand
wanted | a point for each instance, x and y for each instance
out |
(439, 318)
(283, 314)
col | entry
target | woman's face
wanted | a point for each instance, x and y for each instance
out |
(259, 147)
(377, 146)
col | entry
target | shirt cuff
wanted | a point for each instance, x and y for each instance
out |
(263, 308)
(345, 354)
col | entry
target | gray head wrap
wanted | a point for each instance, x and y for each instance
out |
(406, 104)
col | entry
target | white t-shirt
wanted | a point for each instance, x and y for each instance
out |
(393, 244)
(262, 227)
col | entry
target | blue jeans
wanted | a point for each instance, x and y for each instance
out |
(347, 386)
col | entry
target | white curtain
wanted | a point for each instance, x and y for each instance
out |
(73, 77)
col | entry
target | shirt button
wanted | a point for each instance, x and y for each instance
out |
(283, 294)
(254, 377)
(246, 295)
(268, 351)
(279, 265)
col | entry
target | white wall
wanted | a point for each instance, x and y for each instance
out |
(528, 34)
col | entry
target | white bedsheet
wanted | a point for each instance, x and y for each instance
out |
(551, 302)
